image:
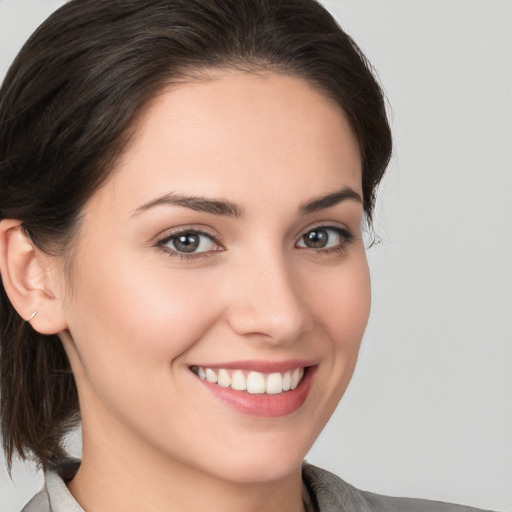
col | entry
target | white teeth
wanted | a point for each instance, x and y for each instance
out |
(287, 381)
(238, 381)
(274, 384)
(295, 378)
(211, 376)
(224, 379)
(253, 382)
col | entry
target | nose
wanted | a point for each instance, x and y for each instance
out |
(267, 301)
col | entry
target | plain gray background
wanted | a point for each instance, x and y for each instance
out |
(429, 411)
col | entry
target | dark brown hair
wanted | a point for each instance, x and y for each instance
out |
(66, 109)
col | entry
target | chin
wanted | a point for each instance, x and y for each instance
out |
(261, 471)
(262, 462)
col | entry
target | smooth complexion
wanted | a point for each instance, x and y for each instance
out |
(271, 165)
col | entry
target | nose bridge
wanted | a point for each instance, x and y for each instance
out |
(268, 299)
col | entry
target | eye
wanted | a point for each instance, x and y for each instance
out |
(189, 242)
(325, 237)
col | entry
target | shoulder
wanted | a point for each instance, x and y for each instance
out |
(332, 494)
(55, 496)
(39, 503)
(391, 504)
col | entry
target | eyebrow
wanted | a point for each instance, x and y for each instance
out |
(227, 208)
(200, 204)
(323, 202)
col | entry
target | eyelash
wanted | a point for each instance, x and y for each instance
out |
(190, 232)
(346, 237)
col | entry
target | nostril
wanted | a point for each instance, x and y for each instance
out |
(266, 322)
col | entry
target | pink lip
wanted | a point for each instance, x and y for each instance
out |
(262, 366)
(264, 405)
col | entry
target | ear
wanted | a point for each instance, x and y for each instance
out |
(29, 280)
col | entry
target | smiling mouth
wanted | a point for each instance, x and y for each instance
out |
(251, 381)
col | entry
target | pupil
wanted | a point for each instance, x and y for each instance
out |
(316, 239)
(187, 243)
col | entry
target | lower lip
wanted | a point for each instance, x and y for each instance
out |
(265, 405)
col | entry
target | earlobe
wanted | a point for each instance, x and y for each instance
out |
(27, 280)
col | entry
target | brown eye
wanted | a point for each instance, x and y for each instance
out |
(316, 239)
(324, 237)
(188, 242)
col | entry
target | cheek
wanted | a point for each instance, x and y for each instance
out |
(342, 304)
(341, 309)
(137, 317)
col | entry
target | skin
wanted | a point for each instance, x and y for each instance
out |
(139, 316)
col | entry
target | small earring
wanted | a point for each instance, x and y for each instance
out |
(31, 316)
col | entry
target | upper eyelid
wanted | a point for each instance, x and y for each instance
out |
(169, 234)
(162, 242)
(326, 225)
(341, 230)
(204, 230)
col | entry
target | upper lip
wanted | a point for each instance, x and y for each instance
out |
(261, 366)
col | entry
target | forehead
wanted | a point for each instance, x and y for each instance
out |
(236, 133)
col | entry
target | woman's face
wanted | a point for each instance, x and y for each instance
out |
(226, 246)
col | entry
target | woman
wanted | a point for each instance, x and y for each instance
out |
(183, 186)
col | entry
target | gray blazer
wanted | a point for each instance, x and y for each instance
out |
(328, 494)
(334, 495)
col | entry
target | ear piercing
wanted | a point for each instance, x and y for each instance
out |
(31, 316)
